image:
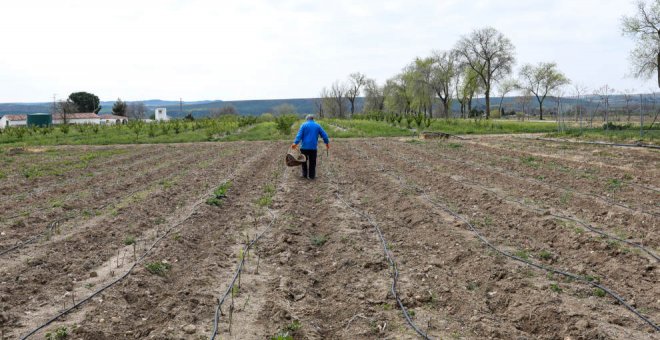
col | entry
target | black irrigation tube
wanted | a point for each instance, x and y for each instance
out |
(535, 265)
(564, 217)
(112, 283)
(48, 230)
(237, 273)
(637, 145)
(390, 260)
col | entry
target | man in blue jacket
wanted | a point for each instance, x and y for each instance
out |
(309, 135)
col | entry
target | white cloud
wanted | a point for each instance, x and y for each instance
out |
(204, 49)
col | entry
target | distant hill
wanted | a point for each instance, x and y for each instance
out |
(302, 105)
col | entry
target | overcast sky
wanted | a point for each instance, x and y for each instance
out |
(259, 49)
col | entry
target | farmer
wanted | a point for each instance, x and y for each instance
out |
(309, 136)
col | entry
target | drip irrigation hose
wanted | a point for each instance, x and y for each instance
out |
(130, 270)
(528, 262)
(637, 145)
(535, 265)
(239, 268)
(48, 230)
(390, 260)
(564, 217)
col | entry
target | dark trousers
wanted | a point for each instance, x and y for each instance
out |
(309, 167)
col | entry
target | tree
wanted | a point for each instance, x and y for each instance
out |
(579, 90)
(644, 27)
(444, 70)
(467, 85)
(225, 110)
(119, 108)
(86, 102)
(338, 93)
(506, 86)
(65, 108)
(490, 54)
(628, 96)
(355, 82)
(284, 109)
(605, 92)
(540, 80)
(136, 110)
(416, 81)
(396, 96)
(374, 98)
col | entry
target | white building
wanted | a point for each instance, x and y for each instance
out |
(113, 119)
(77, 118)
(161, 114)
(13, 120)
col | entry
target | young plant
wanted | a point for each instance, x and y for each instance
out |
(158, 268)
(545, 255)
(319, 240)
(129, 240)
(599, 292)
(59, 333)
(555, 288)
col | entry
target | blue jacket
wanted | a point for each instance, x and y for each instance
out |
(309, 135)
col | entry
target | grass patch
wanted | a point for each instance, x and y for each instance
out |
(530, 161)
(523, 254)
(267, 198)
(545, 255)
(614, 184)
(555, 288)
(598, 292)
(158, 268)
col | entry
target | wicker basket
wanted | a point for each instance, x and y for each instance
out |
(294, 157)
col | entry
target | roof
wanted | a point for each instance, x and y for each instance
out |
(58, 116)
(112, 117)
(15, 117)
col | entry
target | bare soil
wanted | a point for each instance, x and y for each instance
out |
(319, 270)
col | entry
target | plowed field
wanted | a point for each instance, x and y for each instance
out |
(480, 232)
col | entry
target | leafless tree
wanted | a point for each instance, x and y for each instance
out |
(490, 54)
(227, 109)
(355, 82)
(338, 93)
(628, 97)
(374, 98)
(605, 92)
(136, 110)
(579, 90)
(504, 88)
(540, 80)
(644, 27)
(65, 108)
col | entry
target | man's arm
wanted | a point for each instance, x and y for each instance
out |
(324, 135)
(299, 135)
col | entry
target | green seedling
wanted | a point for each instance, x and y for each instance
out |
(90, 285)
(545, 255)
(555, 288)
(319, 240)
(59, 333)
(214, 201)
(294, 326)
(471, 286)
(129, 240)
(599, 292)
(176, 237)
(281, 336)
(530, 161)
(614, 184)
(158, 268)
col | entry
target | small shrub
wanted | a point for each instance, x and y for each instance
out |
(523, 254)
(614, 184)
(294, 326)
(214, 201)
(598, 292)
(158, 268)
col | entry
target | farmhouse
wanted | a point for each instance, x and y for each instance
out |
(113, 119)
(13, 120)
(77, 118)
(160, 114)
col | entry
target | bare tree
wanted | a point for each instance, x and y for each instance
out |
(136, 110)
(65, 108)
(318, 103)
(644, 27)
(355, 82)
(444, 71)
(374, 98)
(504, 88)
(605, 92)
(490, 54)
(540, 80)
(628, 97)
(227, 109)
(579, 90)
(338, 93)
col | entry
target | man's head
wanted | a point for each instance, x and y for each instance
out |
(309, 117)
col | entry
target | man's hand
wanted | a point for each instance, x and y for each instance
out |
(294, 146)
(327, 146)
